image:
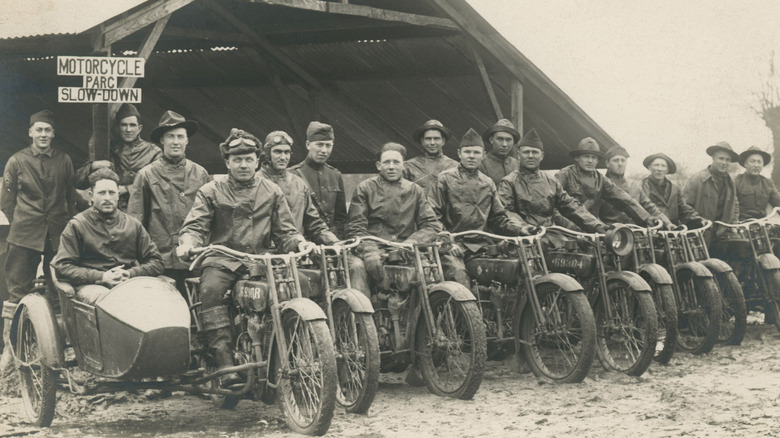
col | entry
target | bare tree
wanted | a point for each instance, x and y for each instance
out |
(769, 110)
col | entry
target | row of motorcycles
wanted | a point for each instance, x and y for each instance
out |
(305, 339)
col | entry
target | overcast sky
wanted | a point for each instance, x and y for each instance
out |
(661, 75)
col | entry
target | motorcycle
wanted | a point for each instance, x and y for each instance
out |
(626, 319)
(733, 323)
(430, 323)
(545, 316)
(351, 322)
(758, 268)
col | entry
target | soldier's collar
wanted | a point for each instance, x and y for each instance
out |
(36, 152)
(269, 170)
(313, 164)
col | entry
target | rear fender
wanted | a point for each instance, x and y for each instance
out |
(768, 261)
(47, 329)
(697, 268)
(716, 266)
(357, 301)
(633, 280)
(655, 272)
(457, 291)
(304, 307)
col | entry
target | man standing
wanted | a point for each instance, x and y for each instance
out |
(582, 181)
(325, 181)
(38, 199)
(102, 247)
(242, 211)
(617, 158)
(712, 192)
(466, 199)
(499, 161)
(163, 191)
(423, 169)
(128, 154)
(754, 191)
(533, 197)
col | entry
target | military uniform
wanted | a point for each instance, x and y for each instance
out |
(496, 167)
(327, 188)
(712, 196)
(423, 169)
(609, 214)
(669, 200)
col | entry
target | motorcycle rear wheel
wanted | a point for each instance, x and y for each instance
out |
(626, 342)
(35, 378)
(453, 360)
(561, 350)
(357, 358)
(666, 307)
(307, 389)
(772, 295)
(733, 321)
(698, 312)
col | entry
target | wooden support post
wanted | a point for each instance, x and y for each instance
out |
(517, 105)
(99, 148)
(486, 82)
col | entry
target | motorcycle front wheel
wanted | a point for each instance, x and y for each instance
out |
(357, 358)
(733, 322)
(562, 349)
(307, 386)
(35, 377)
(698, 312)
(772, 296)
(626, 340)
(452, 358)
(666, 307)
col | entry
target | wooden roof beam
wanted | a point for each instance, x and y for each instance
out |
(344, 8)
(486, 82)
(130, 23)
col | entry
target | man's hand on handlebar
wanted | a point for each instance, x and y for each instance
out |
(457, 250)
(527, 230)
(696, 223)
(184, 252)
(306, 246)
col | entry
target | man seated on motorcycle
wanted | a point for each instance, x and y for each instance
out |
(466, 199)
(243, 211)
(389, 207)
(665, 194)
(755, 192)
(102, 246)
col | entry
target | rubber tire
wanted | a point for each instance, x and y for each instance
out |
(647, 324)
(319, 345)
(772, 280)
(577, 306)
(666, 307)
(39, 408)
(368, 346)
(733, 299)
(475, 331)
(708, 296)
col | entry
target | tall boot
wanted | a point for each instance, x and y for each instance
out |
(216, 325)
(7, 360)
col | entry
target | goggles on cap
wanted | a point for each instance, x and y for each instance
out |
(240, 140)
(281, 139)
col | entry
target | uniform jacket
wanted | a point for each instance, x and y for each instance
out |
(327, 188)
(161, 197)
(755, 193)
(92, 244)
(38, 197)
(533, 197)
(669, 201)
(305, 215)
(609, 214)
(572, 179)
(701, 194)
(396, 211)
(468, 200)
(244, 216)
(496, 167)
(423, 169)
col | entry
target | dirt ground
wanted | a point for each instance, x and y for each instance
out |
(734, 391)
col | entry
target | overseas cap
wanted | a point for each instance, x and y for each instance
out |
(125, 111)
(471, 138)
(531, 139)
(615, 151)
(42, 116)
(319, 132)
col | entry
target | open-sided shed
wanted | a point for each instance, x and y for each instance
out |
(375, 69)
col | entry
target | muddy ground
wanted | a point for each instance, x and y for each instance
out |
(734, 391)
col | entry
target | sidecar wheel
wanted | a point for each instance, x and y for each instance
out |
(307, 389)
(357, 348)
(36, 379)
(733, 321)
(452, 363)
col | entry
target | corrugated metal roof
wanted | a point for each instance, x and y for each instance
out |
(27, 18)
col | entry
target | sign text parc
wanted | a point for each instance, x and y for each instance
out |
(100, 79)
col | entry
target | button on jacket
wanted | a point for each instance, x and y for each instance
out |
(161, 197)
(245, 216)
(533, 197)
(423, 169)
(496, 167)
(92, 244)
(38, 197)
(609, 214)
(669, 200)
(755, 193)
(305, 216)
(327, 187)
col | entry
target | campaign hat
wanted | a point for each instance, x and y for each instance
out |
(587, 145)
(669, 162)
(427, 126)
(503, 125)
(725, 147)
(171, 120)
(754, 150)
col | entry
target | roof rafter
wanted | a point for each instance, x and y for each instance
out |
(125, 25)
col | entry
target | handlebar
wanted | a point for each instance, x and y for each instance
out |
(565, 230)
(203, 251)
(387, 242)
(342, 245)
(541, 232)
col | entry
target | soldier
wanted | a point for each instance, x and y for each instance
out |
(466, 199)
(243, 211)
(583, 182)
(499, 161)
(38, 199)
(129, 153)
(532, 197)
(754, 191)
(163, 191)
(664, 193)
(617, 158)
(325, 181)
(423, 169)
(102, 247)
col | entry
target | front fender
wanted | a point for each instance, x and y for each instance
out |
(357, 301)
(716, 266)
(457, 291)
(567, 283)
(656, 272)
(306, 308)
(633, 280)
(46, 329)
(768, 261)
(697, 268)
